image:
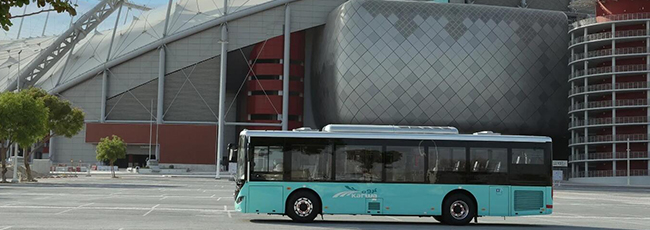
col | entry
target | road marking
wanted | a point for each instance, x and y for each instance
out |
(5, 228)
(80, 206)
(593, 217)
(7, 204)
(218, 199)
(152, 208)
(121, 229)
(118, 208)
(225, 208)
(229, 215)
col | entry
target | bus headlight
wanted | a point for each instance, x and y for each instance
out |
(239, 199)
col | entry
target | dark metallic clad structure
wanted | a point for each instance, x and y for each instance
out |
(474, 67)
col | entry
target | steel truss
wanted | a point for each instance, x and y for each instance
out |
(57, 50)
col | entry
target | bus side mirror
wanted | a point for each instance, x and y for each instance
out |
(232, 152)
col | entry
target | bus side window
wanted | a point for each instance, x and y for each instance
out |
(358, 163)
(404, 163)
(489, 160)
(446, 164)
(528, 156)
(268, 159)
(311, 162)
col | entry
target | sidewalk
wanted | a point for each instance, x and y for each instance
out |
(224, 175)
(589, 185)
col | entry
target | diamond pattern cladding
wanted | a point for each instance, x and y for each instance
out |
(470, 66)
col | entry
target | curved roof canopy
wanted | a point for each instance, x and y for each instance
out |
(92, 51)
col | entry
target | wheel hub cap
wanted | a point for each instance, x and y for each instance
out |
(303, 207)
(459, 210)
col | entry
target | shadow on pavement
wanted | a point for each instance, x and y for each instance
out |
(333, 224)
(83, 185)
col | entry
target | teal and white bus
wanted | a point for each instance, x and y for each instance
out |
(393, 171)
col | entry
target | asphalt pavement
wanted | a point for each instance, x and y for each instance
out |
(156, 202)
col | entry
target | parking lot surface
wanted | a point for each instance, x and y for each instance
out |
(156, 202)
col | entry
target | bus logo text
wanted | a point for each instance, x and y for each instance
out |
(354, 193)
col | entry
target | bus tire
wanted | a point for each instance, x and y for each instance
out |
(303, 206)
(458, 209)
(439, 219)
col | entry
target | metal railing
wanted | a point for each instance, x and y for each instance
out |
(607, 18)
(609, 138)
(608, 120)
(601, 104)
(606, 35)
(633, 172)
(610, 173)
(609, 155)
(608, 69)
(608, 86)
(635, 154)
(607, 52)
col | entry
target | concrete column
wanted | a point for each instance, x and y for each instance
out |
(573, 117)
(162, 64)
(586, 101)
(162, 60)
(102, 113)
(647, 42)
(222, 92)
(286, 62)
(613, 99)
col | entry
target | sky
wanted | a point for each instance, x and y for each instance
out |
(57, 23)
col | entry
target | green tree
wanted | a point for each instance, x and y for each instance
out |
(23, 120)
(110, 149)
(59, 6)
(63, 120)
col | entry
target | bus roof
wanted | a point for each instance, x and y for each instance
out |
(397, 136)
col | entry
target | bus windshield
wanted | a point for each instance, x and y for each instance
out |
(241, 159)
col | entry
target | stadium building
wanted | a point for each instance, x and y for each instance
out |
(162, 79)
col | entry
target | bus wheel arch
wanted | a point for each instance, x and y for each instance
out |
(301, 198)
(462, 198)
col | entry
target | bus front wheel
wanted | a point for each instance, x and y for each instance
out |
(303, 207)
(458, 209)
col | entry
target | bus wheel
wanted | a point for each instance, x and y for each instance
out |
(303, 207)
(458, 209)
(439, 219)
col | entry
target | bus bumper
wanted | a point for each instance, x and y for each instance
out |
(240, 200)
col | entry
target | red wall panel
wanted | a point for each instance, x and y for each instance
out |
(622, 7)
(179, 144)
(273, 49)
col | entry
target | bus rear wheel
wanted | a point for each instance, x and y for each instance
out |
(303, 207)
(458, 209)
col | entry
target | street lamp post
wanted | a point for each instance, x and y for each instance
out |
(16, 149)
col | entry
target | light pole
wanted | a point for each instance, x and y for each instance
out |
(16, 149)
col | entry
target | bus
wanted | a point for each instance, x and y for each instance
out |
(392, 171)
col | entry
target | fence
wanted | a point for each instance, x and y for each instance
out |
(608, 69)
(607, 52)
(601, 104)
(606, 35)
(607, 18)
